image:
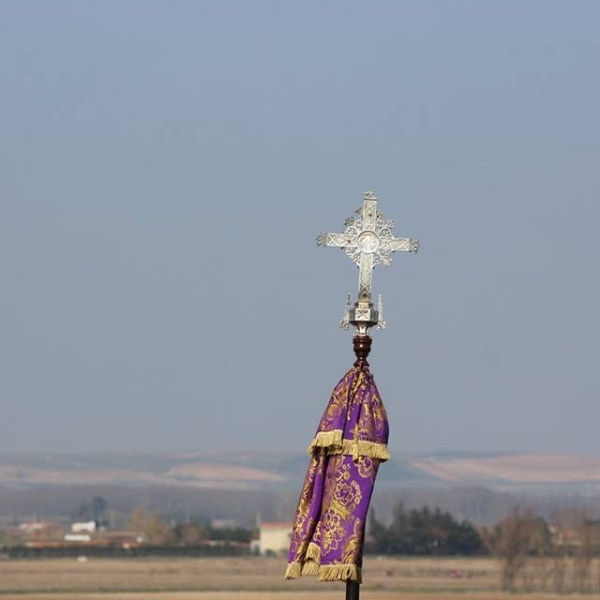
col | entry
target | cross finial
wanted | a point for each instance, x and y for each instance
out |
(368, 241)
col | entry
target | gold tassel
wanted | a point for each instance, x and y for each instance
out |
(293, 571)
(313, 552)
(310, 568)
(327, 439)
(340, 573)
(364, 448)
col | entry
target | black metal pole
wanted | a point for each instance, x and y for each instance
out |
(352, 590)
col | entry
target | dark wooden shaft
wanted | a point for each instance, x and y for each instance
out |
(362, 347)
(352, 590)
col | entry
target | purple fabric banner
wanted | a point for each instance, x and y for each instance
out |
(350, 443)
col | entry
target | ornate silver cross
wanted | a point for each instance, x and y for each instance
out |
(368, 241)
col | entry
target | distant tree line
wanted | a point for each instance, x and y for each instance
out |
(424, 532)
(154, 531)
(535, 554)
(548, 555)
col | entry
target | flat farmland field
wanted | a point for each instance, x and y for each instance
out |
(249, 578)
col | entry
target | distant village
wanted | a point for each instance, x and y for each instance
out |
(144, 534)
(423, 531)
(223, 537)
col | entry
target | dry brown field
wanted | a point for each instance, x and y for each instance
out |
(251, 579)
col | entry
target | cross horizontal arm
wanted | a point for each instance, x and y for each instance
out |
(400, 245)
(338, 240)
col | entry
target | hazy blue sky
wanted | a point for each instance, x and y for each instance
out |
(166, 166)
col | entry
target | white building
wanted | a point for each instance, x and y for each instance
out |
(274, 538)
(77, 537)
(84, 527)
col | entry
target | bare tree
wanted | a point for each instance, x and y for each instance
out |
(516, 538)
(559, 549)
(148, 526)
(582, 558)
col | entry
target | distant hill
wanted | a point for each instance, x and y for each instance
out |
(513, 468)
(481, 487)
(260, 470)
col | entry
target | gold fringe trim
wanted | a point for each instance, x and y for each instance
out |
(327, 439)
(365, 448)
(334, 444)
(313, 552)
(310, 568)
(324, 573)
(340, 573)
(293, 571)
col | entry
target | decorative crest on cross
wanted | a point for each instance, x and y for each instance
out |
(368, 241)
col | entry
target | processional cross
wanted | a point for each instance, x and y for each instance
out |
(368, 241)
(358, 436)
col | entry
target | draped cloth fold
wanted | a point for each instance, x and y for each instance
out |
(350, 443)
